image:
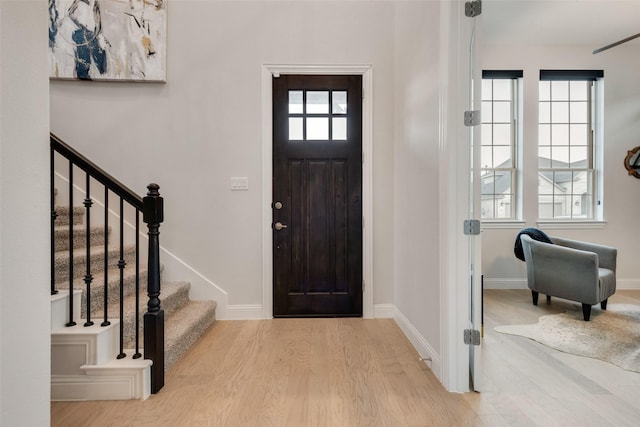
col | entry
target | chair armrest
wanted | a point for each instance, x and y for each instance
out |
(561, 271)
(606, 254)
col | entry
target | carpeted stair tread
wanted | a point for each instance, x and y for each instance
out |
(185, 320)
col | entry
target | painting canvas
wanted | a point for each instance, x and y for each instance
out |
(108, 39)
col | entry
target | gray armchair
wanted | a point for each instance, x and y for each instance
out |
(570, 269)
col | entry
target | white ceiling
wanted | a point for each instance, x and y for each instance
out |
(594, 23)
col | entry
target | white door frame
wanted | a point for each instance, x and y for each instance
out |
(454, 200)
(268, 71)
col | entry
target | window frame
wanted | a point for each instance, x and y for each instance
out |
(594, 149)
(515, 167)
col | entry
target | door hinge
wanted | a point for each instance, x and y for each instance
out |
(472, 118)
(473, 8)
(472, 336)
(472, 227)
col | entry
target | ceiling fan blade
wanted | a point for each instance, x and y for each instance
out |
(616, 43)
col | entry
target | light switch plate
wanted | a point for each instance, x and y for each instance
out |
(239, 183)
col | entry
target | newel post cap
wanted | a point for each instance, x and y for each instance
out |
(153, 205)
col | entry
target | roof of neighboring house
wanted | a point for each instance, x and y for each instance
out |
(502, 181)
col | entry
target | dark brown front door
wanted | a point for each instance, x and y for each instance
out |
(317, 195)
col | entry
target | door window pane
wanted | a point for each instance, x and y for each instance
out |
(295, 102)
(295, 129)
(339, 102)
(318, 128)
(339, 125)
(317, 102)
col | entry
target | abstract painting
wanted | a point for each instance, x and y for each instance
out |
(108, 39)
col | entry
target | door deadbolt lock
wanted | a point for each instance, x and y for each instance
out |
(279, 226)
(277, 205)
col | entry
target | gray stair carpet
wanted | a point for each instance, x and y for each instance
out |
(185, 320)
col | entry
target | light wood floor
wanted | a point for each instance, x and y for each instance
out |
(355, 372)
(528, 384)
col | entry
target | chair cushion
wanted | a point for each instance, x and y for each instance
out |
(535, 234)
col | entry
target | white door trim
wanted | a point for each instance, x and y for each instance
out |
(267, 175)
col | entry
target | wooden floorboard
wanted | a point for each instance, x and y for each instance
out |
(354, 372)
(529, 384)
(289, 372)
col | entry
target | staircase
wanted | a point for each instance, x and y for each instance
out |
(89, 361)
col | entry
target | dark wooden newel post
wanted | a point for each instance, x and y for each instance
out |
(154, 317)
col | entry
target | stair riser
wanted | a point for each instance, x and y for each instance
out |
(62, 215)
(175, 350)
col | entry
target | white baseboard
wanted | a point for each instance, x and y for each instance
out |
(124, 379)
(84, 365)
(628, 284)
(254, 312)
(243, 312)
(383, 311)
(500, 283)
(422, 346)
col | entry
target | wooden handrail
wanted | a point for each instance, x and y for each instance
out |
(96, 172)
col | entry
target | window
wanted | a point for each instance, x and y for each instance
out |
(567, 138)
(500, 130)
(317, 115)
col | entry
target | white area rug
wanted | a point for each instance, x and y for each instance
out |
(612, 335)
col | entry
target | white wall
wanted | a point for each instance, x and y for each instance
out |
(621, 129)
(416, 215)
(24, 214)
(203, 126)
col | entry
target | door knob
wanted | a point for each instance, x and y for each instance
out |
(279, 226)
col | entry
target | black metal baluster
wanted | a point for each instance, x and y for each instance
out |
(88, 278)
(153, 215)
(121, 265)
(106, 321)
(71, 322)
(54, 216)
(152, 210)
(138, 354)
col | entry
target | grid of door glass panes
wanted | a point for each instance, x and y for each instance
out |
(317, 115)
(498, 160)
(565, 150)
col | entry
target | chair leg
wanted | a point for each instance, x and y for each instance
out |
(603, 305)
(534, 296)
(586, 311)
